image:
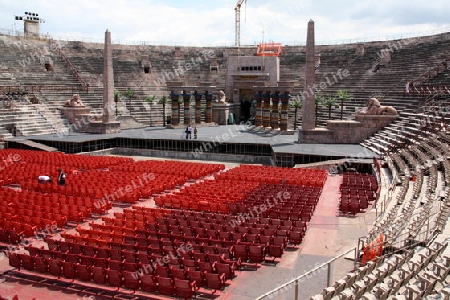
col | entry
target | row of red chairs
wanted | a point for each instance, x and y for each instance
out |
(128, 223)
(147, 253)
(26, 199)
(216, 221)
(357, 191)
(40, 207)
(249, 197)
(360, 181)
(10, 236)
(116, 186)
(189, 169)
(296, 176)
(351, 207)
(155, 263)
(61, 159)
(133, 280)
(224, 235)
(72, 213)
(159, 239)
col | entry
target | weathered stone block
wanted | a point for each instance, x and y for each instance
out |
(346, 131)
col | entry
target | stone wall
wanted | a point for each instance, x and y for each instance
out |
(243, 159)
(346, 131)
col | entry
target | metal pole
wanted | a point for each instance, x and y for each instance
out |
(296, 289)
(329, 274)
(376, 210)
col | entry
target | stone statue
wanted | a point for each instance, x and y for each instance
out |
(222, 97)
(375, 108)
(75, 101)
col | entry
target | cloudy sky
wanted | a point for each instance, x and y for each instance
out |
(212, 22)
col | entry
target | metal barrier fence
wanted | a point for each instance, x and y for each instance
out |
(293, 289)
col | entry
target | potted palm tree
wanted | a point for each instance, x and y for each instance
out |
(116, 99)
(163, 100)
(129, 94)
(328, 102)
(318, 99)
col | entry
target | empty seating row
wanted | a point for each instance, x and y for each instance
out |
(189, 169)
(297, 176)
(357, 191)
(133, 280)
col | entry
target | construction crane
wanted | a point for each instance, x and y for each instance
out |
(237, 33)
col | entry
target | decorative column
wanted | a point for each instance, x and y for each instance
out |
(284, 110)
(208, 98)
(198, 107)
(266, 110)
(175, 107)
(258, 116)
(108, 81)
(187, 111)
(274, 123)
(309, 103)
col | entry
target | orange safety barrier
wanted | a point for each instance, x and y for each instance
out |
(269, 49)
(373, 250)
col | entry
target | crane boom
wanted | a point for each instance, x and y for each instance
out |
(237, 10)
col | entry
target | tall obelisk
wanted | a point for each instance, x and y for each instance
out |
(309, 103)
(108, 82)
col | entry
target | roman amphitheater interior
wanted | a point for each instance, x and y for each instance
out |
(356, 208)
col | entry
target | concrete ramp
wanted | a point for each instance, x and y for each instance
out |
(36, 146)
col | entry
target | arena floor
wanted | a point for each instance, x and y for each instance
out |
(328, 235)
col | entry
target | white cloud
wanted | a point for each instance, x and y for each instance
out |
(199, 22)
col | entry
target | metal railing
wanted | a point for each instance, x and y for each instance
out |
(25, 88)
(243, 45)
(54, 46)
(297, 280)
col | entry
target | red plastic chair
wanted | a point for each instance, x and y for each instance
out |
(184, 288)
(114, 278)
(215, 281)
(296, 237)
(144, 258)
(241, 251)
(101, 262)
(275, 251)
(69, 270)
(257, 254)
(198, 277)
(115, 264)
(83, 272)
(131, 280)
(178, 273)
(166, 286)
(54, 267)
(228, 269)
(162, 270)
(206, 266)
(27, 261)
(148, 283)
(73, 258)
(40, 264)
